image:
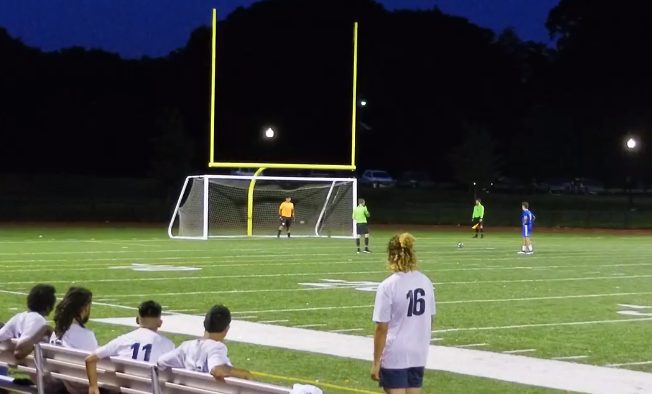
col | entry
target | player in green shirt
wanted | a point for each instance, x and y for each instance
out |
(360, 215)
(478, 216)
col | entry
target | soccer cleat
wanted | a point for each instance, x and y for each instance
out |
(520, 252)
(367, 251)
(530, 252)
(357, 252)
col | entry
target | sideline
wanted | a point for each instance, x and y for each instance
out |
(555, 374)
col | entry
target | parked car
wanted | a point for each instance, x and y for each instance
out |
(557, 185)
(506, 184)
(587, 186)
(243, 171)
(415, 179)
(377, 178)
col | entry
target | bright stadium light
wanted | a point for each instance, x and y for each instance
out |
(631, 143)
(269, 133)
(363, 103)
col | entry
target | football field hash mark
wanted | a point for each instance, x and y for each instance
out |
(534, 325)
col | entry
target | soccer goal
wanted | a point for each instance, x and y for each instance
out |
(227, 205)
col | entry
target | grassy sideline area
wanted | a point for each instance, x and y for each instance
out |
(564, 301)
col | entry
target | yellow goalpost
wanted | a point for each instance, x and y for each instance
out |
(304, 166)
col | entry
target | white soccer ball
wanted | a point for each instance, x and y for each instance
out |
(460, 245)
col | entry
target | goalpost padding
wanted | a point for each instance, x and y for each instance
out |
(231, 206)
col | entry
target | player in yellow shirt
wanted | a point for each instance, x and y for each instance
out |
(286, 214)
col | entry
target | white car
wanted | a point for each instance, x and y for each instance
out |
(377, 178)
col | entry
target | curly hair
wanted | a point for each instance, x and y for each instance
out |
(70, 308)
(400, 253)
(41, 299)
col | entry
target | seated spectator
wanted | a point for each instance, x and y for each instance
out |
(207, 354)
(143, 344)
(30, 327)
(70, 317)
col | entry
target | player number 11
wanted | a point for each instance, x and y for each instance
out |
(136, 347)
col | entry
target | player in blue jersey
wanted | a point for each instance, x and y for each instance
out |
(527, 225)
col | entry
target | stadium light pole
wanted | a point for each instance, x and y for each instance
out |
(632, 145)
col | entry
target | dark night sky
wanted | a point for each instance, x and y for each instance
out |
(143, 27)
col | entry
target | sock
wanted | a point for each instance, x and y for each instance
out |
(288, 234)
(366, 243)
(357, 243)
(523, 248)
(529, 248)
(278, 234)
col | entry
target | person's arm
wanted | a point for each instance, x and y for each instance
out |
(380, 337)
(25, 345)
(172, 359)
(481, 213)
(222, 371)
(91, 373)
(366, 212)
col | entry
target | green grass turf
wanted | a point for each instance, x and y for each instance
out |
(483, 290)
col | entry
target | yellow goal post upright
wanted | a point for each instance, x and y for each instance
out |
(193, 217)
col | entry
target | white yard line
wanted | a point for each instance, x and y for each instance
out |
(471, 345)
(478, 301)
(347, 330)
(316, 308)
(572, 323)
(633, 313)
(308, 325)
(560, 375)
(273, 321)
(633, 363)
(325, 274)
(635, 306)
(517, 351)
(570, 357)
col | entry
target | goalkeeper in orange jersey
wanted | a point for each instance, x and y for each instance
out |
(477, 218)
(286, 215)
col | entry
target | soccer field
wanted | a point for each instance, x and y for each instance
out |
(586, 297)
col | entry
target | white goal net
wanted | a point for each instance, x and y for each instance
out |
(225, 205)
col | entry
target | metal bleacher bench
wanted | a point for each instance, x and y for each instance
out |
(127, 376)
(26, 366)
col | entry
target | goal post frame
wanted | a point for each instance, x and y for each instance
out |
(250, 200)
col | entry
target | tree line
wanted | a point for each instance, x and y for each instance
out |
(444, 95)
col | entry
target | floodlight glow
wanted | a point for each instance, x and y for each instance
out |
(631, 143)
(363, 103)
(269, 133)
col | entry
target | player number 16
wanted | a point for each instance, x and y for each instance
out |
(417, 305)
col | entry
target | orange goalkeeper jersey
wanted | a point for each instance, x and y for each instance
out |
(286, 209)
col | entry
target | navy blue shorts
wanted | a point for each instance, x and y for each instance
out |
(286, 222)
(526, 231)
(401, 378)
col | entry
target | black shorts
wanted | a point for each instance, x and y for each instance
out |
(286, 222)
(401, 378)
(361, 228)
(476, 221)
